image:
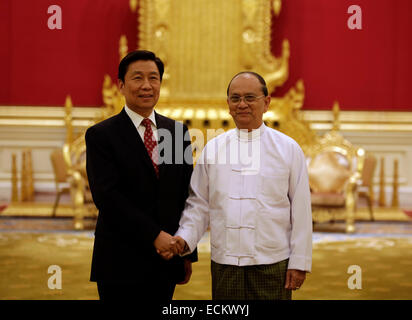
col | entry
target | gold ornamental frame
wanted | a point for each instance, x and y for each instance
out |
(203, 44)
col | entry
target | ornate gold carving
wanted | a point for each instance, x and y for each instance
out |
(68, 119)
(256, 36)
(112, 98)
(277, 5)
(133, 5)
(336, 123)
(154, 30)
(123, 47)
(285, 115)
(204, 43)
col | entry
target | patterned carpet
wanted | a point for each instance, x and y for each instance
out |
(385, 262)
(26, 257)
(382, 250)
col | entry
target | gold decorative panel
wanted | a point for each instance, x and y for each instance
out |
(203, 43)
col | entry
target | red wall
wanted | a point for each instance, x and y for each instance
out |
(42, 66)
(368, 69)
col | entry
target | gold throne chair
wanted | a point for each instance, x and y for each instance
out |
(335, 168)
(203, 44)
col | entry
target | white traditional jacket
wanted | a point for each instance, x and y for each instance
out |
(252, 190)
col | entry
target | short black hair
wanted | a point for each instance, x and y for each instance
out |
(258, 76)
(139, 55)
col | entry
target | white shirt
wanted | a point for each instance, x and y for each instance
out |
(137, 121)
(258, 212)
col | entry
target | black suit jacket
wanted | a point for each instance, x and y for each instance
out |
(134, 205)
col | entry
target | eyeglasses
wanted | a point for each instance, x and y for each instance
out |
(247, 99)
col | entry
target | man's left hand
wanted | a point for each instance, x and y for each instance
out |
(188, 271)
(294, 279)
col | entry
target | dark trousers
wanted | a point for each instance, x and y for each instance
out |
(150, 291)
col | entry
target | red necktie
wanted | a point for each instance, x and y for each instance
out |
(151, 144)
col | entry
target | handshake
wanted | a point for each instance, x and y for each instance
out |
(168, 246)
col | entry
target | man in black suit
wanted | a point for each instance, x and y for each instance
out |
(140, 199)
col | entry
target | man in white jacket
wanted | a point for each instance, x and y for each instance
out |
(250, 185)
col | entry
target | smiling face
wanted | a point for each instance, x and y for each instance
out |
(247, 115)
(141, 86)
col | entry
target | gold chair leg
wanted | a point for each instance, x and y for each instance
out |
(56, 203)
(370, 204)
(350, 220)
(350, 209)
(77, 192)
(78, 218)
(350, 225)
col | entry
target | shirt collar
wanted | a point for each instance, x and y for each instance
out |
(137, 118)
(244, 135)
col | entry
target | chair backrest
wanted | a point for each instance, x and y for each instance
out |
(368, 171)
(328, 172)
(59, 165)
(332, 162)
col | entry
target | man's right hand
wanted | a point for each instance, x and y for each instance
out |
(165, 245)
